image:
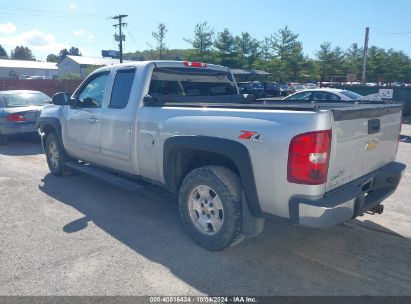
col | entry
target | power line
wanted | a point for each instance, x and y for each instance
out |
(393, 33)
(50, 13)
(132, 38)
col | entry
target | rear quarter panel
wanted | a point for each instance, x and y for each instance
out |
(268, 156)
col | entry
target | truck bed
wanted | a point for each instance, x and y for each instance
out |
(340, 110)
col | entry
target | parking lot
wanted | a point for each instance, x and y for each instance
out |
(76, 235)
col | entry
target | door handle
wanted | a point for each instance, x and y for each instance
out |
(92, 120)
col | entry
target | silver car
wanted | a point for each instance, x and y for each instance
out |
(19, 111)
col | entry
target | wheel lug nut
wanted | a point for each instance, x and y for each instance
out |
(208, 215)
(212, 212)
(203, 212)
(211, 205)
(202, 205)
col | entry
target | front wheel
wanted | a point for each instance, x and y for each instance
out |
(54, 154)
(210, 207)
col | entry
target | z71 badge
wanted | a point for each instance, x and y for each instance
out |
(251, 136)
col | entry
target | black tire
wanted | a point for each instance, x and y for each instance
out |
(56, 164)
(3, 140)
(224, 183)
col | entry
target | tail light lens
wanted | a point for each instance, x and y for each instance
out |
(308, 158)
(16, 117)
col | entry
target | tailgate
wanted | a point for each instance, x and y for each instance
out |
(364, 139)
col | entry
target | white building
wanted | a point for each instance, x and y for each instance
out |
(81, 65)
(15, 69)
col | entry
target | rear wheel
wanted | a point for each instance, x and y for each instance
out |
(3, 139)
(54, 154)
(210, 207)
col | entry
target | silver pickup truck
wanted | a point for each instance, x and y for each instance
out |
(232, 161)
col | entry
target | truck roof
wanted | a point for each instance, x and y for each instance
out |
(164, 64)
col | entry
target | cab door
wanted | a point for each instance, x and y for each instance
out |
(117, 118)
(83, 120)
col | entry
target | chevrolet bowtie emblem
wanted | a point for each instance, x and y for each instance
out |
(371, 145)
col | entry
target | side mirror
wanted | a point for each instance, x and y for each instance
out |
(72, 102)
(60, 99)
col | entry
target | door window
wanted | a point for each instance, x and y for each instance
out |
(122, 88)
(92, 93)
(322, 95)
(300, 96)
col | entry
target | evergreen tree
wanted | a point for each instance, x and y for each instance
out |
(247, 49)
(226, 50)
(203, 39)
(353, 59)
(290, 51)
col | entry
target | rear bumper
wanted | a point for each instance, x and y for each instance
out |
(18, 128)
(348, 201)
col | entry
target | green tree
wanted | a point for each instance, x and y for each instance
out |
(203, 39)
(226, 49)
(377, 66)
(62, 54)
(52, 58)
(290, 51)
(353, 59)
(22, 53)
(331, 62)
(159, 36)
(3, 53)
(247, 49)
(74, 51)
(397, 65)
(266, 49)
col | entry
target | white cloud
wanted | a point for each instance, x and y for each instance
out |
(72, 6)
(35, 40)
(83, 33)
(7, 28)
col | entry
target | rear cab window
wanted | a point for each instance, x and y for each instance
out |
(191, 82)
(25, 100)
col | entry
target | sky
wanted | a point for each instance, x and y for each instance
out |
(48, 26)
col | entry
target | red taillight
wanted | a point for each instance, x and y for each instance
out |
(195, 64)
(16, 117)
(308, 158)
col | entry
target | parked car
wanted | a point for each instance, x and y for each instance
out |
(273, 89)
(310, 86)
(254, 88)
(325, 94)
(296, 87)
(19, 111)
(285, 90)
(230, 163)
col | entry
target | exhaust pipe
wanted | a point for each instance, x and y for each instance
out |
(379, 209)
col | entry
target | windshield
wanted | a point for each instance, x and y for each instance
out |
(352, 95)
(26, 99)
(191, 82)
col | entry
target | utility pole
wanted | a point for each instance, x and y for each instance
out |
(365, 56)
(121, 37)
